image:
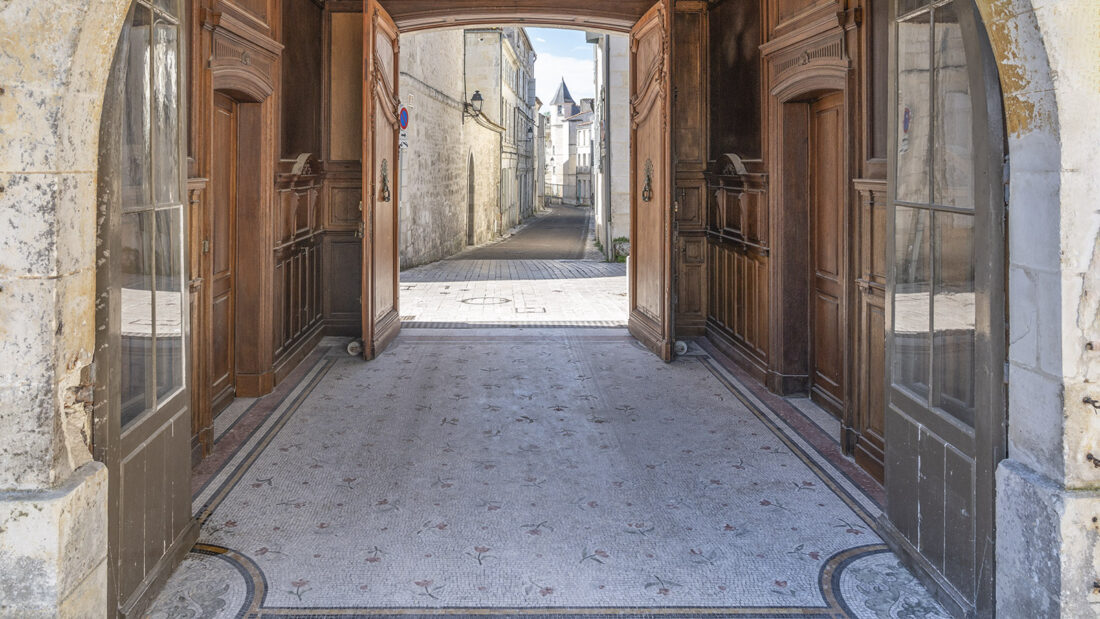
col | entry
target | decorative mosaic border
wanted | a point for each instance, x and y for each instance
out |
(828, 580)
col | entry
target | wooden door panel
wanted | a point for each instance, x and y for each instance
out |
(827, 346)
(379, 299)
(223, 234)
(650, 173)
(828, 247)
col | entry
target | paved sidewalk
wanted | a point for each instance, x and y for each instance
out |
(476, 289)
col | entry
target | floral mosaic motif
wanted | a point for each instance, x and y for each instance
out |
(300, 588)
(662, 586)
(480, 554)
(879, 586)
(596, 556)
(429, 589)
(198, 591)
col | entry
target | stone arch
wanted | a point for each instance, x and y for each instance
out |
(54, 67)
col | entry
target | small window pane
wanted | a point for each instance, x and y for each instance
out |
(137, 313)
(954, 315)
(136, 133)
(906, 6)
(911, 300)
(169, 299)
(166, 152)
(953, 144)
(168, 6)
(913, 122)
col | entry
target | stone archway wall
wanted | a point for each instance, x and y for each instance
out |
(1048, 556)
(54, 60)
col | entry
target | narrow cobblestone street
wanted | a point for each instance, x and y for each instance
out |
(529, 471)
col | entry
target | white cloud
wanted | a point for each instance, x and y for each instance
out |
(578, 74)
(540, 39)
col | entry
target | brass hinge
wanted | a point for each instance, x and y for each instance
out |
(206, 246)
(359, 230)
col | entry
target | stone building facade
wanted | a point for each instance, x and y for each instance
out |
(500, 65)
(611, 142)
(452, 167)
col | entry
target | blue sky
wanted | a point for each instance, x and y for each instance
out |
(562, 53)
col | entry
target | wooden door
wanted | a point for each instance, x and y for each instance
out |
(945, 413)
(223, 236)
(381, 320)
(651, 231)
(827, 252)
(141, 418)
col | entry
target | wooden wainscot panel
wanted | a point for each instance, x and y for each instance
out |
(202, 418)
(298, 282)
(864, 432)
(738, 249)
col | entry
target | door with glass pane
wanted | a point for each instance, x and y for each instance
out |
(142, 423)
(945, 412)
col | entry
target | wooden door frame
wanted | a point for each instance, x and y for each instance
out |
(791, 264)
(110, 442)
(989, 432)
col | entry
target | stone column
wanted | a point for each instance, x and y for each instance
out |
(1048, 490)
(54, 59)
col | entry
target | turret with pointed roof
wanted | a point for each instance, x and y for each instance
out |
(563, 95)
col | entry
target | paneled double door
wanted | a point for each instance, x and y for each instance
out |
(651, 219)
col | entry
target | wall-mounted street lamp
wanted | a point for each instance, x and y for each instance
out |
(473, 107)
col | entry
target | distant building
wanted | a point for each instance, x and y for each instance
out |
(567, 120)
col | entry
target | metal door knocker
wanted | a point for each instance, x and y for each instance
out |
(647, 190)
(385, 197)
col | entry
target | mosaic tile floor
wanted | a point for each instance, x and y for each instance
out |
(532, 472)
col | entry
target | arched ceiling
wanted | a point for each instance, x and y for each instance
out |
(608, 15)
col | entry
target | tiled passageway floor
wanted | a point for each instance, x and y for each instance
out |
(526, 471)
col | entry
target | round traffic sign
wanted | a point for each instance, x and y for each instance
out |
(403, 115)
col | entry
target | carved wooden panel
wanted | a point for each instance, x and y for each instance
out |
(737, 313)
(343, 205)
(345, 58)
(866, 434)
(298, 279)
(256, 12)
(691, 285)
(738, 316)
(689, 108)
(651, 176)
(381, 183)
(342, 274)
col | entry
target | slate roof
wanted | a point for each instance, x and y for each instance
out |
(563, 95)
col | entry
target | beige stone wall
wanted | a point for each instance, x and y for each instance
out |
(1048, 492)
(435, 169)
(54, 62)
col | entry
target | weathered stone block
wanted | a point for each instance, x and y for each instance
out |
(1048, 546)
(53, 546)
